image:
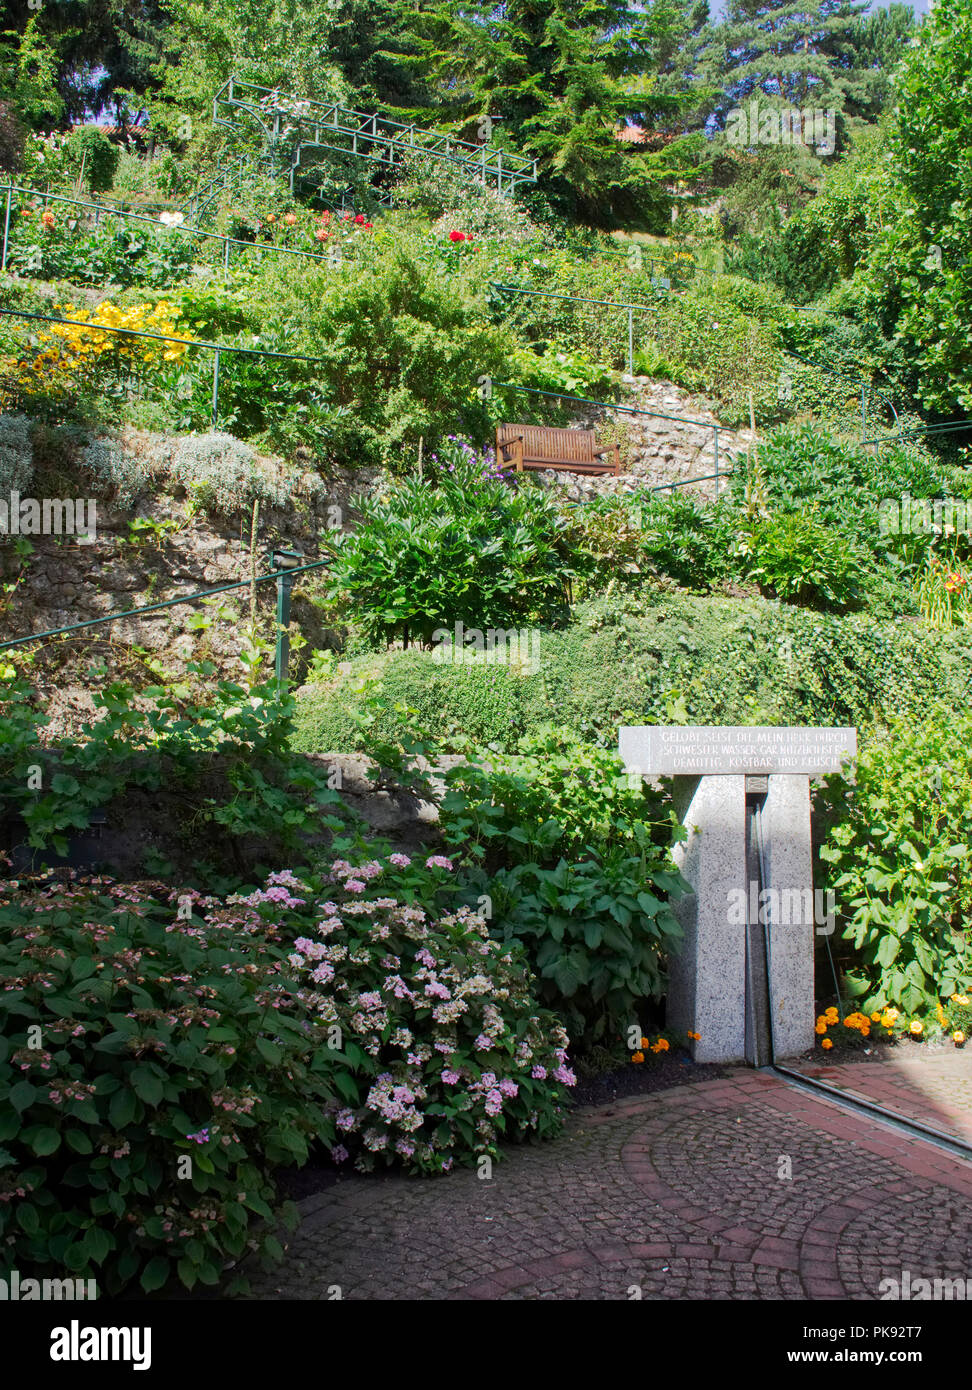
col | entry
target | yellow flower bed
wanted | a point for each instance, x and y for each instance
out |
(67, 352)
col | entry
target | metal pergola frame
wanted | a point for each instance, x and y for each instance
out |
(308, 124)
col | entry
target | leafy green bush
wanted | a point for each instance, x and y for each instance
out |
(689, 540)
(725, 350)
(402, 344)
(453, 702)
(91, 158)
(472, 550)
(901, 862)
(619, 540)
(598, 931)
(228, 762)
(793, 557)
(913, 270)
(789, 256)
(114, 252)
(154, 1074)
(552, 797)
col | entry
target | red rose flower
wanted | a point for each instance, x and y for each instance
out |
(457, 236)
(360, 219)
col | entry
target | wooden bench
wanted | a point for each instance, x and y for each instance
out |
(567, 451)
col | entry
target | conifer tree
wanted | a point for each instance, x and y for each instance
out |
(558, 80)
(789, 54)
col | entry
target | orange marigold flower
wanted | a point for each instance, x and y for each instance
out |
(637, 1057)
(916, 1028)
(827, 1042)
(47, 217)
(958, 1037)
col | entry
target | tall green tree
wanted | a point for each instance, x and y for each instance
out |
(100, 55)
(280, 44)
(878, 41)
(558, 79)
(791, 53)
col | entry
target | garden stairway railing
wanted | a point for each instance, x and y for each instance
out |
(217, 349)
(283, 575)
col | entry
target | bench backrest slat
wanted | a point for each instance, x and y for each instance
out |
(547, 442)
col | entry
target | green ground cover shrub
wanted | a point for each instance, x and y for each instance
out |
(402, 347)
(547, 796)
(619, 540)
(628, 658)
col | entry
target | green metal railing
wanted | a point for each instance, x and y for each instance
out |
(216, 348)
(945, 428)
(284, 579)
(294, 124)
(631, 309)
(859, 384)
(102, 209)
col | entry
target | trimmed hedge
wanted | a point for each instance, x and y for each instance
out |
(650, 658)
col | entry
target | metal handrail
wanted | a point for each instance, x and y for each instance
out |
(140, 217)
(859, 383)
(372, 128)
(284, 578)
(581, 299)
(217, 348)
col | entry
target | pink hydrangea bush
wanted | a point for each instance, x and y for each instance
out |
(438, 1045)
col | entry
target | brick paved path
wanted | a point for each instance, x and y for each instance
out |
(677, 1194)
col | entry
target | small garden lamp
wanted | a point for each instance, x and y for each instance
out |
(283, 561)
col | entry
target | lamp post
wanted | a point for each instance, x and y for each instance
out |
(283, 560)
